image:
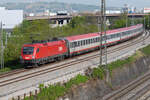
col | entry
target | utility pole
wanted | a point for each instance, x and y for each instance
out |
(144, 31)
(148, 22)
(132, 19)
(126, 11)
(100, 31)
(2, 47)
(103, 37)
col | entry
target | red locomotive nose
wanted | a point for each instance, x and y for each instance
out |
(27, 53)
(27, 57)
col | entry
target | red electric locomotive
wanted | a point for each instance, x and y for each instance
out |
(43, 52)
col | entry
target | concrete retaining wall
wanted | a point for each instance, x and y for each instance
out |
(95, 89)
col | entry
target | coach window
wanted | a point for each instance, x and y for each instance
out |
(88, 41)
(108, 37)
(81, 43)
(91, 41)
(115, 35)
(112, 36)
(118, 35)
(78, 43)
(72, 44)
(123, 33)
(96, 39)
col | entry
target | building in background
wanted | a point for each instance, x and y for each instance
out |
(146, 10)
(10, 18)
(113, 10)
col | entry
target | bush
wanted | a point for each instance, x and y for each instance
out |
(146, 50)
(98, 72)
(76, 81)
(54, 91)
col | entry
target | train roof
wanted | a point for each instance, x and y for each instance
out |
(44, 42)
(90, 35)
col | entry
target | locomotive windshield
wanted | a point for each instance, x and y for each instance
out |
(28, 50)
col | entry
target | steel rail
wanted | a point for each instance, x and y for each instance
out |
(129, 88)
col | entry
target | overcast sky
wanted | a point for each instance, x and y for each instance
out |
(117, 3)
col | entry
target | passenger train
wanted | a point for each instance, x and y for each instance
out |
(43, 52)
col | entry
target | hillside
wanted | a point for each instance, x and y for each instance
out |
(36, 7)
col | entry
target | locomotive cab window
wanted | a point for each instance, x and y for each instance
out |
(37, 50)
(28, 50)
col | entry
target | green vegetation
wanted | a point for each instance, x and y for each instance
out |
(146, 50)
(52, 92)
(147, 21)
(5, 70)
(98, 72)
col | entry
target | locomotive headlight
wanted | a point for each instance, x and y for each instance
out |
(33, 57)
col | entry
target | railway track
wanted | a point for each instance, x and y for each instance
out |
(47, 70)
(17, 71)
(130, 87)
(140, 93)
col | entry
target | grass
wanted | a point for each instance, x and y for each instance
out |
(13, 67)
(4, 70)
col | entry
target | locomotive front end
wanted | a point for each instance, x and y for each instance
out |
(28, 55)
